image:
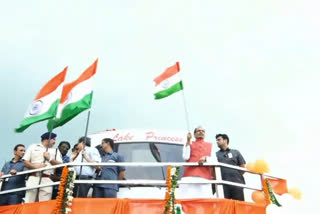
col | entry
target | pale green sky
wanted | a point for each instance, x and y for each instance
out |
(250, 69)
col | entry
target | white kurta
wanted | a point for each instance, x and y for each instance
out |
(187, 191)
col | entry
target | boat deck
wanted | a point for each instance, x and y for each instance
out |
(139, 206)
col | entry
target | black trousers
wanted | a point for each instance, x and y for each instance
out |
(233, 192)
(81, 190)
(55, 191)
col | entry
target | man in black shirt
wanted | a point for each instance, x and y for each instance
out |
(232, 157)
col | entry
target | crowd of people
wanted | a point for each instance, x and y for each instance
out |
(44, 154)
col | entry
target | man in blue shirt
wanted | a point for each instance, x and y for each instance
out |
(108, 172)
(12, 167)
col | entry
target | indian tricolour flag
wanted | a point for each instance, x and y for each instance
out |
(168, 82)
(76, 97)
(45, 104)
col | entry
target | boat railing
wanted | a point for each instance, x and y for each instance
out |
(219, 182)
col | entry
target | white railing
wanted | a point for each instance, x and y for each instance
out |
(218, 182)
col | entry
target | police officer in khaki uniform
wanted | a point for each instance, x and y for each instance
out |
(37, 157)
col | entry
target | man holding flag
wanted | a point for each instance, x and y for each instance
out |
(40, 156)
(197, 151)
(43, 107)
(84, 154)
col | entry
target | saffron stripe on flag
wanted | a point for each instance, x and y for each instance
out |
(87, 74)
(52, 85)
(169, 72)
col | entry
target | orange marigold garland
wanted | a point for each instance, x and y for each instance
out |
(63, 181)
(171, 182)
(64, 199)
(271, 196)
(167, 197)
(266, 192)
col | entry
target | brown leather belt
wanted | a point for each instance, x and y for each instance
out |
(38, 175)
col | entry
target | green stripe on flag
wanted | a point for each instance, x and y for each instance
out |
(35, 119)
(165, 93)
(70, 111)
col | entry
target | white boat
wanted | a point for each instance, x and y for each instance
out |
(147, 154)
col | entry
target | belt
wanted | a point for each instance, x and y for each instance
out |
(38, 175)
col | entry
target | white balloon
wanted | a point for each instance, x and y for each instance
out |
(286, 199)
(274, 209)
(290, 205)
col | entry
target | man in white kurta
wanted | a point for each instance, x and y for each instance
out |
(197, 151)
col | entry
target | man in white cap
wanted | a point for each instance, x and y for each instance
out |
(40, 156)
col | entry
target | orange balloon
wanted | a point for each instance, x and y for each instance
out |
(250, 166)
(258, 197)
(296, 193)
(261, 166)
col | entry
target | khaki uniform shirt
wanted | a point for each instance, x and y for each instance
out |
(34, 154)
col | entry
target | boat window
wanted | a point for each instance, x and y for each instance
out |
(149, 152)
